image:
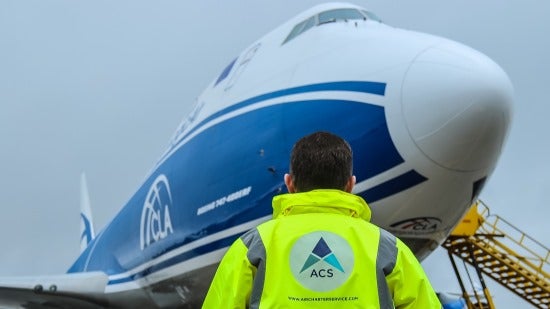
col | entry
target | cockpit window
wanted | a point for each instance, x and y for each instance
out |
(339, 14)
(301, 28)
(371, 16)
(225, 72)
(329, 17)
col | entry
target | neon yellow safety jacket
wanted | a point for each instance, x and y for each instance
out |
(320, 251)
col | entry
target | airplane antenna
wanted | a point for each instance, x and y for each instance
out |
(86, 224)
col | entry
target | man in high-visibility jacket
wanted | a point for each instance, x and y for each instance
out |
(320, 250)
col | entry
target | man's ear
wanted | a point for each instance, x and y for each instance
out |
(350, 184)
(289, 184)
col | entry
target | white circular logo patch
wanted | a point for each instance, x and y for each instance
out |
(321, 261)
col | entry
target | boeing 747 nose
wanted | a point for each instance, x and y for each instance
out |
(456, 103)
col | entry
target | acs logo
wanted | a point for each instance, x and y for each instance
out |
(321, 261)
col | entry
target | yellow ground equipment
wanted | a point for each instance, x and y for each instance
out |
(496, 248)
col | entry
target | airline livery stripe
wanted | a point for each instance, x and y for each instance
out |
(354, 86)
(182, 250)
(393, 186)
(207, 248)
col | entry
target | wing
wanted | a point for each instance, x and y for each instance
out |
(79, 290)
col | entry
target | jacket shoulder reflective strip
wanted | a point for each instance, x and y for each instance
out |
(385, 263)
(256, 256)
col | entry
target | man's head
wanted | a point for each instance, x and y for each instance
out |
(320, 161)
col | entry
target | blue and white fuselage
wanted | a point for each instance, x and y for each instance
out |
(426, 118)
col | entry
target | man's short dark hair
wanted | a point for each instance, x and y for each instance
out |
(321, 161)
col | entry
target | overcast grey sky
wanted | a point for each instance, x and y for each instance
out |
(99, 86)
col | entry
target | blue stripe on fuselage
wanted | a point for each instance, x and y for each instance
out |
(354, 86)
(204, 249)
(392, 186)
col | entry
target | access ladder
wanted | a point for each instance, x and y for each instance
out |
(496, 248)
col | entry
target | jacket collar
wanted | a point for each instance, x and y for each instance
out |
(321, 201)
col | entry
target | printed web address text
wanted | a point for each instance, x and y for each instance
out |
(319, 299)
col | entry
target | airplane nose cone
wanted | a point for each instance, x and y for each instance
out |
(456, 103)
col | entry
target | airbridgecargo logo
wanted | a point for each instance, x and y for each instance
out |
(155, 216)
(419, 225)
(321, 261)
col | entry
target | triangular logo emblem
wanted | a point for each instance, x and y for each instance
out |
(322, 252)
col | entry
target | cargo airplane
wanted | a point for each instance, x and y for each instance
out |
(426, 118)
